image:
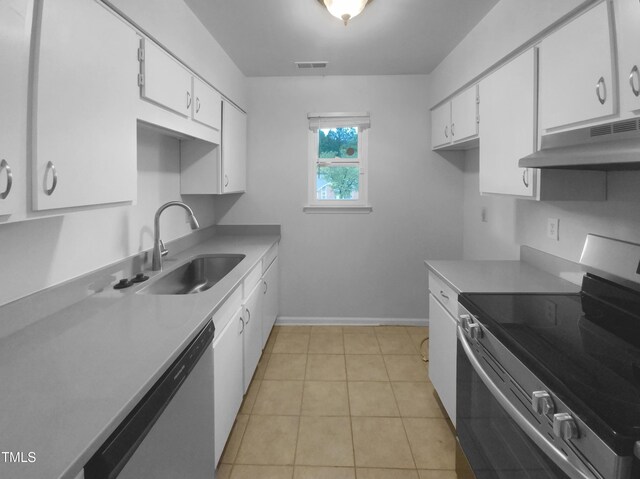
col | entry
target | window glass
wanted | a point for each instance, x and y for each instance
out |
(338, 143)
(338, 183)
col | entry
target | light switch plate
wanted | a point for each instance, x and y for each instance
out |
(552, 228)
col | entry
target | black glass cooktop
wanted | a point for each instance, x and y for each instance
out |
(585, 347)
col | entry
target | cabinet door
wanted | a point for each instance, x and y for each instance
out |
(576, 72)
(628, 19)
(227, 379)
(508, 128)
(270, 305)
(234, 149)
(442, 355)
(166, 82)
(464, 115)
(252, 315)
(14, 62)
(84, 128)
(207, 104)
(441, 125)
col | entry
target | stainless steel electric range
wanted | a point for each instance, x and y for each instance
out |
(548, 385)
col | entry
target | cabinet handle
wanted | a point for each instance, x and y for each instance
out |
(197, 104)
(188, 99)
(50, 167)
(266, 287)
(444, 295)
(226, 180)
(446, 131)
(453, 131)
(601, 86)
(525, 178)
(242, 321)
(5, 166)
(248, 316)
(633, 77)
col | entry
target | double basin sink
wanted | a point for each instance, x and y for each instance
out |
(195, 276)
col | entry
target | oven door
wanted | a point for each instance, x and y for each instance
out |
(490, 432)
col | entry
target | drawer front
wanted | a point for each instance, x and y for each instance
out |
(226, 311)
(269, 257)
(444, 294)
(252, 279)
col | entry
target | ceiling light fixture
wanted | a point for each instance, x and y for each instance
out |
(345, 10)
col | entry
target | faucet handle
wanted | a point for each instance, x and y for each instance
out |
(163, 251)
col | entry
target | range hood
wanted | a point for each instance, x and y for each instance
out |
(613, 146)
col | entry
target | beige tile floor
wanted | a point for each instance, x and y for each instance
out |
(340, 403)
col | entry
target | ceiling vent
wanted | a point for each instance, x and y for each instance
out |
(311, 65)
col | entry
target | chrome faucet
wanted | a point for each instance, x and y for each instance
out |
(158, 246)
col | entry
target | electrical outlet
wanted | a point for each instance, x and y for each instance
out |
(552, 228)
(483, 215)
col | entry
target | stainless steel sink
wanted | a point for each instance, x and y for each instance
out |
(195, 276)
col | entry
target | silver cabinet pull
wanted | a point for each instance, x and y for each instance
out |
(188, 99)
(248, 316)
(444, 295)
(525, 178)
(54, 183)
(242, 321)
(634, 77)
(5, 166)
(226, 180)
(266, 287)
(446, 131)
(601, 87)
(453, 131)
(197, 104)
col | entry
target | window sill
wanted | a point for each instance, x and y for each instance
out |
(321, 209)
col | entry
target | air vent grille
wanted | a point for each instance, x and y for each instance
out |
(311, 65)
(613, 128)
(623, 126)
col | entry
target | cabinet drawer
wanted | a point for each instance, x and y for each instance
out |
(252, 279)
(271, 255)
(444, 294)
(225, 312)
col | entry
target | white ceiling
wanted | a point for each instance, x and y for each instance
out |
(266, 37)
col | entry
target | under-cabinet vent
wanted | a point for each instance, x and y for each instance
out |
(310, 65)
(613, 128)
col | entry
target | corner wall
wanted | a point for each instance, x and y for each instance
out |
(351, 265)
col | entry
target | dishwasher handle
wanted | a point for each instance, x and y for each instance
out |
(116, 451)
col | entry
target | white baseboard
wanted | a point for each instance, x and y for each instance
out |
(325, 321)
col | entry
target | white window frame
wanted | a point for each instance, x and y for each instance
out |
(337, 120)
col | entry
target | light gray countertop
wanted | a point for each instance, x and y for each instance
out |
(499, 277)
(69, 379)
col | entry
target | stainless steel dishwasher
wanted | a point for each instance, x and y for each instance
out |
(170, 433)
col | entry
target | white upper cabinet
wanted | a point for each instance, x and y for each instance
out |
(84, 108)
(164, 81)
(508, 130)
(455, 123)
(207, 104)
(627, 14)
(577, 72)
(464, 115)
(234, 149)
(14, 63)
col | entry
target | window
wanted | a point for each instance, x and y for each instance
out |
(337, 162)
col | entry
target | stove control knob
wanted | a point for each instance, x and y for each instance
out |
(565, 427)
(465, 320)
(475, 331)
(542, 403)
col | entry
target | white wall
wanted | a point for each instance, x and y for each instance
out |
(40, 253)
(512, 222)
(351, 265)
(175, 26)
(508, 25)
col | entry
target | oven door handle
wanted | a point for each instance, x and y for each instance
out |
(536, 436)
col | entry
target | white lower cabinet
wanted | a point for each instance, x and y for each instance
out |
(270, 301)
(252, 315)
(228, 379)
(443, 343)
